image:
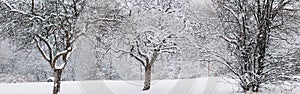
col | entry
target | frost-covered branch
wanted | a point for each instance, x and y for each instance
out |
(234, 14)
(23, 12)
(140, 52)
(229, 40)
(47, 44)
(103, 20)
(137, 58)
(153, 58)
(41, 51)
(130, 53)
(58, 55)
(170, 49)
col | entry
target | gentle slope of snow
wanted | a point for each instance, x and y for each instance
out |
(212, 85)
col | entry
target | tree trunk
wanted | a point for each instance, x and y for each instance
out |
(255, 88)
(147, 77)
(57, 81)
(245, 87)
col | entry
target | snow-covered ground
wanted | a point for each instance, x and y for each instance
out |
(212, 85)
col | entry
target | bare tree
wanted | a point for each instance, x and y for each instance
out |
(248, 27)
(48, 25)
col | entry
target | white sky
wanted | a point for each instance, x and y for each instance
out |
(199, 2)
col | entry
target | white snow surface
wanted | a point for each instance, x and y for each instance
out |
(211, 85)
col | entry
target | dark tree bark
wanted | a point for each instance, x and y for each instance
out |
(57, 81)
(53, 34)
(248, 25)
(148, 67)
(147, 81)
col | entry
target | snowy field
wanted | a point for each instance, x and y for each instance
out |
(182, 86)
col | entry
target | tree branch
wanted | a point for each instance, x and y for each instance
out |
(47, 44)
(234, 14)
(131, 54)
(141, 54)
(41, 51)
(230, 40)
(154, 57)
(23, 12)
(65, 52)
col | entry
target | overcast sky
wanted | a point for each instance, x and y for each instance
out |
(199, 2)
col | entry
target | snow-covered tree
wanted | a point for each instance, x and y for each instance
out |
(101, 21)
(150, 30)
(15, 62)
(48, 25)
(250, 27)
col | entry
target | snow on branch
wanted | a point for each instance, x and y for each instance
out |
(229, 40)
(140, 52)
(103, 19)
(41, 51)
(62, 53)
(47, 44)
(270, 69)
(23, 12)
(76, 37)
(137, 58)
(61, 66)
(234, 14)
(291, 9)
(225, 62)
(131, 54)
(171, 49)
